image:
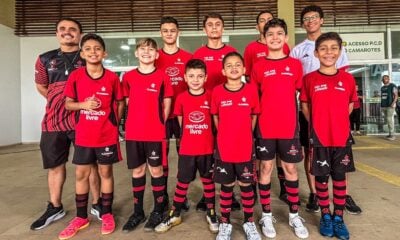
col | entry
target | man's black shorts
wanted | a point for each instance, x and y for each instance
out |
(55, 147)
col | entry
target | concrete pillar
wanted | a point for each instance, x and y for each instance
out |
(286, 11)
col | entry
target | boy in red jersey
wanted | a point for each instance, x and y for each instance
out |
(193, 110)
(235, 106)
(96, 93)
(148, 92)
(327, 100)
(279, 78)
(212, 54)
(172, 60)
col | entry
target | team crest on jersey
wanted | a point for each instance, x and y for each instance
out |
(152, 88)
(53, 65)
(340, 86)
(293, 150)
(172, 71)
(103, 91)
(346, 160)
(205, 105)
(179, 62)
(287, 71)
(244, 102)
(246, 174)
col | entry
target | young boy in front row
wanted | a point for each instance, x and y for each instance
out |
(96, 93)
(192, 108)
(327, 100)
(148, 91)
(235, 106)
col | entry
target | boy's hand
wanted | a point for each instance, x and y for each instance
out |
(91, 103)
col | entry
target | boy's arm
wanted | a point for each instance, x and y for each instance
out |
(179, 121)
(120, 109)
(253, 121)
(395, 97)
(72, 105)
(305, 108)
(216, 121)
(42, 89)
(351, 105)
(167, 107)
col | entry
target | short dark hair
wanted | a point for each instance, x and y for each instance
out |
(196, 64)
(70, 20)
(212, 15)
(328, 36)
(261, 13)
(169, 19)
(146, 42)
(275, 22)
(311, 8)
(95, 37)
(232, 54)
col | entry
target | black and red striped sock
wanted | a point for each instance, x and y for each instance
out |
(209, 192)
(180, 195)
(247, 197)
(158, 187)
(321, 185)
(339, 195)
(265, 196)
(81, 201)
(225, 203)
(281, 177)
(292, 190)
(106, 203)
(138, 187)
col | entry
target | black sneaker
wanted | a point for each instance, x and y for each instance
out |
(235, 204)
(312, 205)
(186, 205)
(96, 210)
(351, 206)
(154, 219)
(50, 215)
(201, 205)
(134, 220)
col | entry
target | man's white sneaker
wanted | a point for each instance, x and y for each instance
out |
(251, 231)
(225, 231)
(267, 225)
(296, 222)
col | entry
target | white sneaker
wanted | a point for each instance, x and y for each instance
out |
(225, 231)
(212, 221)
(168, 223)
(296, 222)
(251, 231)
(267, 226)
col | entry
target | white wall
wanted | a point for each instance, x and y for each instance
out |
(10, 95)
(32, 103)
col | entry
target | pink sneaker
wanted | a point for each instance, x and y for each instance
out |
(73, 227)
(108, 224)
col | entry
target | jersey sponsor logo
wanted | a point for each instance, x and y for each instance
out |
(152, 88)
(222, 170)
(154, 155)
(107, 152)
(196, 117)
(172, 71)
(261, 54)
(287, 71)
(206, 105)
(262, 149)
(103, 91)
(226, 103)
(179, 62)
(321, 87)
(246, 174)
(53, 65)
(293, 151)
(323, 163)
(243, 103)
(346, 160)
(270, 73)
(340, 86)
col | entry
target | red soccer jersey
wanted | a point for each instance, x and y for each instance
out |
(99, 127)
(255, 51)
(329, 97)
(174, 67)
(146, 92)
(213, 59)
(278, 80)
(235, 110)
(52, 69)
(197, 137)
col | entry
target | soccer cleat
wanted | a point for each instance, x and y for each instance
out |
(300, 230)
(235, 204)
(312, 205)
(154, 219)
(201, 205)
(96, 210)
(169, 221)
(134, 220)
(351, 206)
(251, 231)
(50, 215)
(108, 224)
(267, 225)
(339, 228)
(186, 205)
(325, 225)
(212, 221)
(73, 227)
(224, 231)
